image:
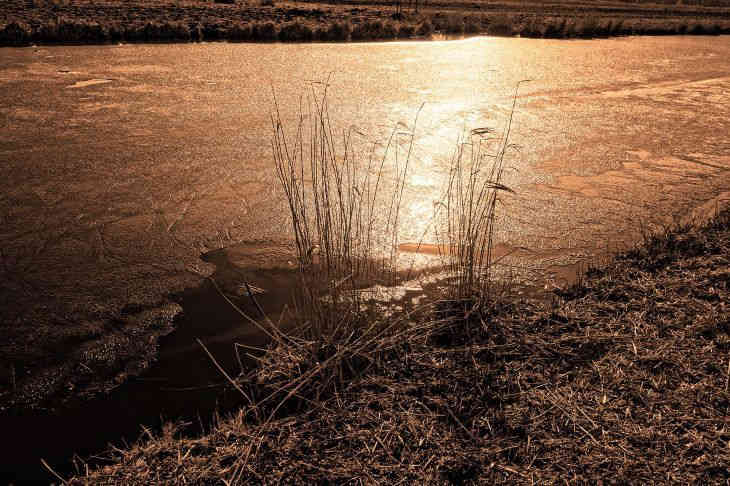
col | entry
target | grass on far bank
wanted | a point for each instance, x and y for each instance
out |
(90, 22)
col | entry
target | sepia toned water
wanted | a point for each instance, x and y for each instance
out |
(148, 155)
(121, 165)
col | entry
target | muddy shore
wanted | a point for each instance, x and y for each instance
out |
(93, 22)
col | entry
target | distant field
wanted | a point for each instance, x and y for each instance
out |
(24, 22)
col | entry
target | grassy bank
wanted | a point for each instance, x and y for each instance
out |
(622, 377)
(24, 22)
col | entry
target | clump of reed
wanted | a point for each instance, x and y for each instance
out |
(336, 192)
(151, 31)
(531, 27)
(470, 210)
(174, 31)
(344, 205)
(565, 28)
(379, 30)
(212, 30)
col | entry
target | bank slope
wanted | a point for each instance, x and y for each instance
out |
(623, 377)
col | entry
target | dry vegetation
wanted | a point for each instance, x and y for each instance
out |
(97, 21)
(623, 377)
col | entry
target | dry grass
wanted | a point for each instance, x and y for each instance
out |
(98, 21)
(622, 378)
(472, 196)
(344, 205)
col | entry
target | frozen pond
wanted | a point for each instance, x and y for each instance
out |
(121, 165)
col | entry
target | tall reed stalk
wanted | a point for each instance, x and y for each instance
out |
(344, 204)
(471, 203)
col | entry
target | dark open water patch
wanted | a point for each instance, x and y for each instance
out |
(183, 384)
